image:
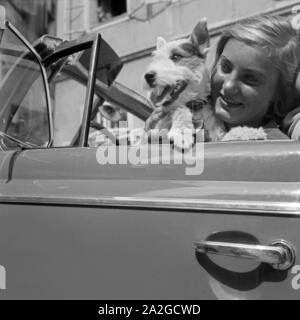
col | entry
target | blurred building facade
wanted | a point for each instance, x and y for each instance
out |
(32, 17)
(132, 26)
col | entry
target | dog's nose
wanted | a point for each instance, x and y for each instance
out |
(150, 77)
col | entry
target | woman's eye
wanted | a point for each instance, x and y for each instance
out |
(176, 57)
(251, 80)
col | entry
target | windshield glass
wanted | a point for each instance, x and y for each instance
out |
(23, 103)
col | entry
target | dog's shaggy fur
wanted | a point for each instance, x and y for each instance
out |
(178, 78)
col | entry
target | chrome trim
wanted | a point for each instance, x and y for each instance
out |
(214, 206)
(279, 254)
(89, 98)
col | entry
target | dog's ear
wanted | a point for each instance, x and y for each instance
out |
(200, 36)
(160, 42)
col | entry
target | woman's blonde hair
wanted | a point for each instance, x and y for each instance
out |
(281, 42)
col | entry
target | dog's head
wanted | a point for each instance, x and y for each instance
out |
(177, 71)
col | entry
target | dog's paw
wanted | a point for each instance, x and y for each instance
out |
(181, 139)
(245, 133)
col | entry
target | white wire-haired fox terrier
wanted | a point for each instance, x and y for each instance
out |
(178, 85)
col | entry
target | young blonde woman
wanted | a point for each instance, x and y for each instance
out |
(253, 78)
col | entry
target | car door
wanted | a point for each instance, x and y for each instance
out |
(74, 228)
(255, 201)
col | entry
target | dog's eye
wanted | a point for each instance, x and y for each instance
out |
(176, 57)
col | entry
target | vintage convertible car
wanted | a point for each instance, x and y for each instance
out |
(221, 224)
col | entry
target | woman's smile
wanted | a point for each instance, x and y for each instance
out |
(229, 103)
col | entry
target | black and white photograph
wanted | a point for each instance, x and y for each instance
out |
(149, 153)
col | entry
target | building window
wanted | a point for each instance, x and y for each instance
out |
(107, 9)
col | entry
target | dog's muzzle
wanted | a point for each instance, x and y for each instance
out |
(150, 78)
(165, 96)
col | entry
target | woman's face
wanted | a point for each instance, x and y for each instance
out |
(244, 84)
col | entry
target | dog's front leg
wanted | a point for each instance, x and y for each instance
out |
(181, 132)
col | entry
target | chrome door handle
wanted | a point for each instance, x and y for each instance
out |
(279, 254)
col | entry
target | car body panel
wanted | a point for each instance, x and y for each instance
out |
(78, 230)
(237, 161)
(103, 252)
